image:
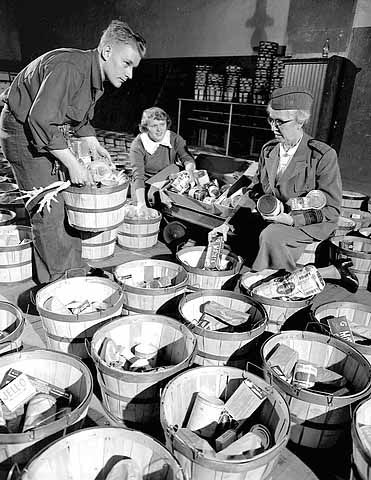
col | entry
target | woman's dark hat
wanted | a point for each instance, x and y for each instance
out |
(291, 98)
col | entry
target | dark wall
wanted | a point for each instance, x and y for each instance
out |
(355, 161)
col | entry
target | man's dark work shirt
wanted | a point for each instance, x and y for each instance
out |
(59, 87)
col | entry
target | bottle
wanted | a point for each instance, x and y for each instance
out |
(326, 48)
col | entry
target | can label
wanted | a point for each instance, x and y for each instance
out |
(339, 327)
(305, 375)
(214, 253)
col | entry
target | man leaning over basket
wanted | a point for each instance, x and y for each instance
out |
(55, 92)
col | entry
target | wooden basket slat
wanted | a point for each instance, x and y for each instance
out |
(123, 391)
(190, 258)
(72, 330)
(175, 403)
(65, 372)
(278, 311)
(63, 458)
(16, 261)
(103, 208)
(356, 314)
(319, 420)
(221, 348)
(148, 300)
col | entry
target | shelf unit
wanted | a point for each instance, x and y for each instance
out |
(230, 128)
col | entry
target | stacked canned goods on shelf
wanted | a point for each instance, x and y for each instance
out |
(232, 77)
(201, 72)
(266, 53)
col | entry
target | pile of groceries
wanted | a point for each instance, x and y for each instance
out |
(287, 364)
(199, 186)
(105, 174)
(76, 306)
(300, 284)
(215, 316)
(149, 280)
(142, 357)
(133, 212)
(27, 402)
(230, 429)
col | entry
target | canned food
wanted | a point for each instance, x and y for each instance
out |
(305, 375)
(264, 434)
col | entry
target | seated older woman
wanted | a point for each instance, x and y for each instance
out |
(290, 166)
(155, 148)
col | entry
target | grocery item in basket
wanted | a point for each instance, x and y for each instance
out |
(191, 439)
(302, 283)
(147, 351)
(40, 385)
(245, 447)
(339, 327)
(3, 425)
(361, 333)
(263, 432)
(225, 439)
(229, 316)
(214, 252)
(125, 469)
(283, 360)
(210, 323)
(17, 392)
(205, 414)
(305, 375)
(75, 307)
(41, 407)
(245, 400)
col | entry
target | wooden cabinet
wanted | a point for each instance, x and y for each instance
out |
(227, 128)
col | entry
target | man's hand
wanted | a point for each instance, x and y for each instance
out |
(96, 148)
(80, 175)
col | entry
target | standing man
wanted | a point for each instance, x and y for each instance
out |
(56, 92)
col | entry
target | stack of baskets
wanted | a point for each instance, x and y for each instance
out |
(97, 213)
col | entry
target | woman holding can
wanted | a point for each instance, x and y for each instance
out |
(290, 166)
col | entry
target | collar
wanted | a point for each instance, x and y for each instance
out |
(292, 150)
(150, 146)
(96, 74)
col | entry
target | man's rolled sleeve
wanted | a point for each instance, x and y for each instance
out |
(49, 108)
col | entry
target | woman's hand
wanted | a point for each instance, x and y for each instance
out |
(223, 229)
(283, 218)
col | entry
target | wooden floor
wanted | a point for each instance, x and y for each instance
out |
(326, 465)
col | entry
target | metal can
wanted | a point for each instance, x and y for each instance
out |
(205, 414)
(305, 375)
(263, 432)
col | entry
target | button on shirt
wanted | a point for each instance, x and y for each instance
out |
(285, 158)
(59, 87)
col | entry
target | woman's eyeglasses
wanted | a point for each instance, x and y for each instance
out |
(276, 122)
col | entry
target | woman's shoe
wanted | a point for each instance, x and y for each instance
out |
(348, 279)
